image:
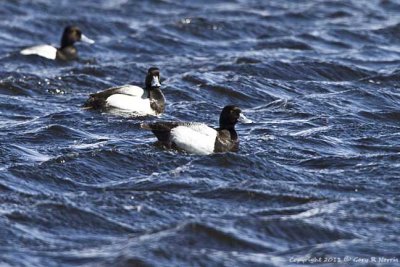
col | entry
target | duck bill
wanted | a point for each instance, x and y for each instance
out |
(85, 39)
(155, 82)
(244, 119)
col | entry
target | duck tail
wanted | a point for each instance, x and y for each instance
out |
(93, 103)
(146, 126)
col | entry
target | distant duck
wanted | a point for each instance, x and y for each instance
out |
(131, 98)
(67, 51)
(198, 138)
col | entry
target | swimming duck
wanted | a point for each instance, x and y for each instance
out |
(131, 98)
(67, 51)
(198, 138)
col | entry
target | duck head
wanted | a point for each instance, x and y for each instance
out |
(73, 34)
(153, 78)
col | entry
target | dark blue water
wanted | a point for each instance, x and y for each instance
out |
(317, 174)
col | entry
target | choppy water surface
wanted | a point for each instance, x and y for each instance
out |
(318, 170)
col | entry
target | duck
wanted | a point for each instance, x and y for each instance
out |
(131, 98)
(198, 138)
(66, 51)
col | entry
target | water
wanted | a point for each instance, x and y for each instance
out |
(317, 174)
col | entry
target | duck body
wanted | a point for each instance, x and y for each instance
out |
(67, 50)
(130, 98)
(198, 138)
(46, 51)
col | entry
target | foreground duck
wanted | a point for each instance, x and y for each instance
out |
(131, 98)
(198, 138)
(67, 50)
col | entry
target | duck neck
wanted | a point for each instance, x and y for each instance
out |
(155, 93)
(230, 128)
(66, 46)
(157, 100)
(67, 53)
(66, 42)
